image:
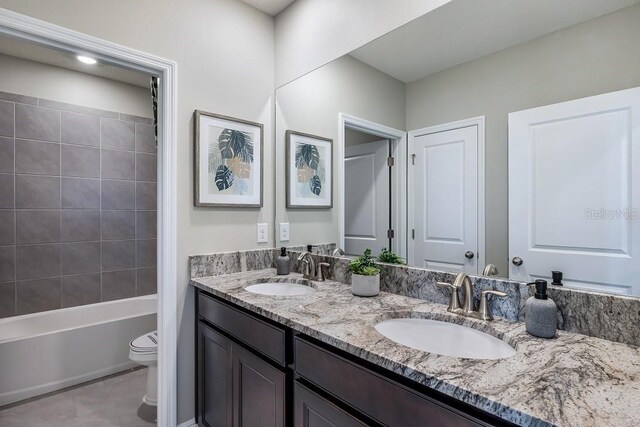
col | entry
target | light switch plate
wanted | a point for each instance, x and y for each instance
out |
(284, 231)
(263, 234)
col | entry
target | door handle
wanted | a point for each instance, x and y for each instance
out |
(517, 261)
(469, 255)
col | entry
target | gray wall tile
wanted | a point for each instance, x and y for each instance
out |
(37, 192)
(36, 157)
(146, 253)
(77, 108)
(80, 193)
(146, 167)
(146, 196)
(80, 289)
(80, 161)
(118, 255)
(118, 195)
(118, 164)
(6, 155)
(38, 295)
(146, 281)
(118, 285)
(118, 225)
(118, 134)
(7, 299)
(80, 129)
(80, 226)
(14, 97)
(146, 224)
(37, 123)
(7, 190)
(7, 227)
(37, 226)
(145, 139)
(7, 263)
(136, 119)
(37, 261)
(6, 118)
(77, 258)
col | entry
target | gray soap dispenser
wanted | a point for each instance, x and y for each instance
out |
(541, 312)
(283, 262)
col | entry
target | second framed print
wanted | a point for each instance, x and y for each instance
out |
(228, 161)
(309, 171)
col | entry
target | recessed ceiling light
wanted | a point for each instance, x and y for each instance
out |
(86, 60)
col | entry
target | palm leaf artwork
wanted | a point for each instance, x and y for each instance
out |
(305, 174)
(235, 143)
(239, 168)
(240, 187)
(215, 157)
(315, 185)
(307, 154)
(224, 178)
(322, 170)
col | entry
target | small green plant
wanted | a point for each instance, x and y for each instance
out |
(390, 257)
(364, 265)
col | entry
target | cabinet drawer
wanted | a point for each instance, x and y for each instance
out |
(380, 398)
(267, 339)
(313, 410)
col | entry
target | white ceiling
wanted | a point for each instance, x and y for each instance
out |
(463, 30)
(26, 50)
(272, 7)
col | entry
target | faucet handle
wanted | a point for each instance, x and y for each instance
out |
(485, 314)
(454, 302)
(321, 273)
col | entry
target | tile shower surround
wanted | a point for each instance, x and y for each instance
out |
(77, 205)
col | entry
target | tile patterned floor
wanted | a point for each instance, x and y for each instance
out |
(114, 401)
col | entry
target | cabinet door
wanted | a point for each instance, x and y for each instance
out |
(259, 391)
(312, 410)
(215, 361)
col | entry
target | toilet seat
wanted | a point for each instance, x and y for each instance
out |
(144, 348)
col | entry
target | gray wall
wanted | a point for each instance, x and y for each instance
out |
(311, 104)
(77, 205)
(598, 56)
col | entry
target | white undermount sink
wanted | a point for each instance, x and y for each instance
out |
(280, 289)
(447, 339)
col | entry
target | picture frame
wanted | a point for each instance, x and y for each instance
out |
(309, 169)
(228, 161)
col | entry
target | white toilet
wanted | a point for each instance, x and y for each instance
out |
(144, 351)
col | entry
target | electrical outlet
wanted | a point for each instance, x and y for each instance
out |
(263, 234)
(284, 231)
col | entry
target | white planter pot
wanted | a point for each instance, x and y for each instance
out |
(365, 286)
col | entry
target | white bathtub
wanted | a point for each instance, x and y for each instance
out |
(44, 352)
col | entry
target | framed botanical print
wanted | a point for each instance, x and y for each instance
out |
(228, 161)
(309, 171)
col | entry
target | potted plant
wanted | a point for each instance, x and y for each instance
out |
(365, 277)
(390, 257)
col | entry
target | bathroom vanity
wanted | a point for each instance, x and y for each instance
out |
(317, 359)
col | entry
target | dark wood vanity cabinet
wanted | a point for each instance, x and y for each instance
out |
(255, 372)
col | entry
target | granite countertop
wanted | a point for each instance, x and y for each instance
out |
(572, 380)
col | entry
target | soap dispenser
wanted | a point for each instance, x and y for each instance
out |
(283, 262)
(541, 312)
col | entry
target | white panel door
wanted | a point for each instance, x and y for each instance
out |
(367, 197)
(445, 200)
(574, 192)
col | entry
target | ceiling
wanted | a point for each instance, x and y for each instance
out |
(26, 50)
(463, 30)
(272, 7)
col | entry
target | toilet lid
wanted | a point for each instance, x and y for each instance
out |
(147, 343)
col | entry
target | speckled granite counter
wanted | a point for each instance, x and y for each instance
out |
(573, 380)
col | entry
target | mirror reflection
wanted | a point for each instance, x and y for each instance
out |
(513, 154)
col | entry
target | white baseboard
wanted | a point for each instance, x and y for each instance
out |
(189, 423)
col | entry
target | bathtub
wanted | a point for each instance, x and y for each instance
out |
(44, 352)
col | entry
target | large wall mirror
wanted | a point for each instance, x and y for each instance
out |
(485, 132)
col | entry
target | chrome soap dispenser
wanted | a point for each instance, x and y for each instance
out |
(541, 312)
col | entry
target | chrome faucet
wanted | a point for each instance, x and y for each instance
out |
(309, 269)
(467, 307)
(490, 270)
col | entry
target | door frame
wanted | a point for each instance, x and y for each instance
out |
(398, 140)
(54, 36)
(478, 121)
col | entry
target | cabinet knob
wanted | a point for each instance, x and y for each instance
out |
(469, 255)
(517, 261)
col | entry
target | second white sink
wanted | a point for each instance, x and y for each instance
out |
(280, 289)
(447, 339)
